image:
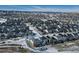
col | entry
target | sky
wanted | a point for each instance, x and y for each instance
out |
(50, 8)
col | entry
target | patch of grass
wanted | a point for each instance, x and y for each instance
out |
(62, 46)
(23, 50)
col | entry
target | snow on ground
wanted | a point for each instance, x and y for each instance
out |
(2, 20)
(51, 50)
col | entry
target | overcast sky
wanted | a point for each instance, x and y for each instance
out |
(53, 8)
